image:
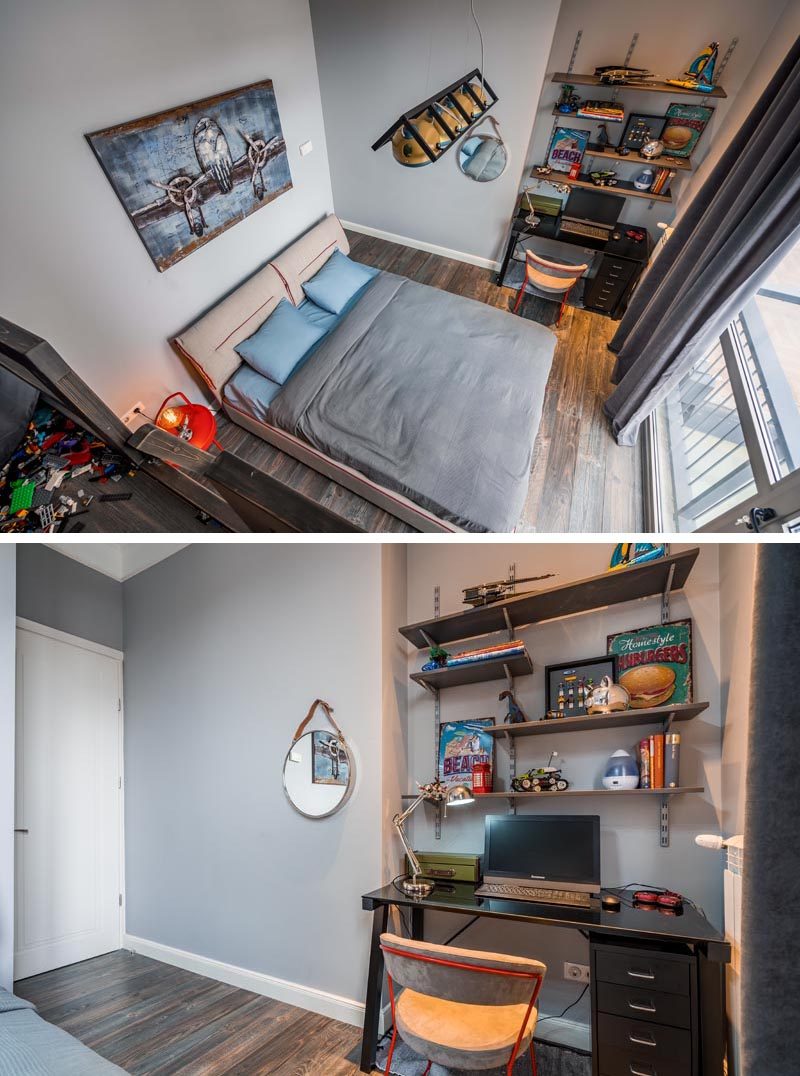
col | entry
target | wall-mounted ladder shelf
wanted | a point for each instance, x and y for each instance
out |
(657, 578)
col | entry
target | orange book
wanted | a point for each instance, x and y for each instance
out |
(658, 760)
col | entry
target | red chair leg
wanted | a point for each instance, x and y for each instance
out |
(428, 1069)
(391, 1052)
(563, 304)
(533, 1060)
(520, 293)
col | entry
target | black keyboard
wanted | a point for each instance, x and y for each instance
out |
(593, 231)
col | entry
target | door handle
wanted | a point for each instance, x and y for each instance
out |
(640, 974)
(641, 1072)
(641, 1008)
(20, 831)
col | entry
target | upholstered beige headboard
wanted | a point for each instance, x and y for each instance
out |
(209, 343)
(308, 254)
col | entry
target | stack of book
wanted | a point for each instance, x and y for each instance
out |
(651, 761)
(602, 110)
(662, 181)
(487, 653)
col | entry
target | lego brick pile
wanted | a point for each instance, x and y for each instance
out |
(53, 451)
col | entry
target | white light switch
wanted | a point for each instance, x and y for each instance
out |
(305, 149)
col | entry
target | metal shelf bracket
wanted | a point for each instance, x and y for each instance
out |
(665, 821)
(665, 595)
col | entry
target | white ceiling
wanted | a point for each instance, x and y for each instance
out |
(119, 560)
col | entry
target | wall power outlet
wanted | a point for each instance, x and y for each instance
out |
(579, 973)
(134, 413)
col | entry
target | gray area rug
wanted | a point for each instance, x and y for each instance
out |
(550, 1061)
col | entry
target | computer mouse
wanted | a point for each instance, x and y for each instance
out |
(610, 902)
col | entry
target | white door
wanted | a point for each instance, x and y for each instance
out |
(68, 802)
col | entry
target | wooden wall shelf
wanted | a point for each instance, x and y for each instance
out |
(591, 792)
(595, 592)
(679, 164)
(622, 189)
(652, 86)
(657, 715)
(475, 673)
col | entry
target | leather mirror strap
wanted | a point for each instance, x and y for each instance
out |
(326, 706)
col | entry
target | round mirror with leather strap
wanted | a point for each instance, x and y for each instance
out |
(319, 770)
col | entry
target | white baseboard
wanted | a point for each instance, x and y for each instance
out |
(417, 244)
(305, 997)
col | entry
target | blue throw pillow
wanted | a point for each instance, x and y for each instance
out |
(281, 342)
(337, 282)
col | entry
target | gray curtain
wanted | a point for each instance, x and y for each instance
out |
(771, 876)
(738, 226)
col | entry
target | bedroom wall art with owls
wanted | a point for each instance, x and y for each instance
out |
(187, 174)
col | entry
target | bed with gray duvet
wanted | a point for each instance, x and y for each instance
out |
(431, 398)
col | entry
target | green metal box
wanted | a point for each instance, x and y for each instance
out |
(449, 866)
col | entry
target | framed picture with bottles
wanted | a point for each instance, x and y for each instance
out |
(567, 687)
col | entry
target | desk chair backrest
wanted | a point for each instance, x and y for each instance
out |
(558, 270)
(462, 975)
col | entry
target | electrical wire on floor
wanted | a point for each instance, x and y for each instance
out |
(563, 1012)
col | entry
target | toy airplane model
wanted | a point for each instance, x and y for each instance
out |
(487, 593)
(617, 76)
(700, 75)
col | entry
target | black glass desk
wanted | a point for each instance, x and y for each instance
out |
(685, 948)
(620, 265)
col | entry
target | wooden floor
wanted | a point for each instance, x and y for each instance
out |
(580, 480)
(150, 1018)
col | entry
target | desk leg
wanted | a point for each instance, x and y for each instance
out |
(418, 924)
(372, 1008)
(713, 1026)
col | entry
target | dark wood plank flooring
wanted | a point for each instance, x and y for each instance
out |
(155, 1020)
(580, 479)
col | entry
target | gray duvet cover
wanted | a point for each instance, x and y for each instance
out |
(433, 395)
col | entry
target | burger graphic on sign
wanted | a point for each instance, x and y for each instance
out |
(655, 664)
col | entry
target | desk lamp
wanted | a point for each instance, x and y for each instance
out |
(435, 792)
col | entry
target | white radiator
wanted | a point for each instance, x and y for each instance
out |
(733, 928)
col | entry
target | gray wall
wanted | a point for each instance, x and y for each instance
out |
(629, 829)
(81, 66)
(377, 60)
(225, 648)
(7, 679)
(62, 593)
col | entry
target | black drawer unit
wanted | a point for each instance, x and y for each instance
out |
(608, 290)
(645, 1019)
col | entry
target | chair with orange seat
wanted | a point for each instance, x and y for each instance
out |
(553, 278)
(462, 1008)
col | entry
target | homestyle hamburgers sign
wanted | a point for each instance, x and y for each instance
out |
(655, 664)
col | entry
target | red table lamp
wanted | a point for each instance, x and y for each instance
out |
(191, 422)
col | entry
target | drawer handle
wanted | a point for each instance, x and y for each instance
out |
(641, 1008)
(641, 1072)
(641, 974)
(641, 1042)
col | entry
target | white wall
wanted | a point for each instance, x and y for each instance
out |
(630, 846)
(72, 268)
(670, 36)
(8, 631)
(377, 60)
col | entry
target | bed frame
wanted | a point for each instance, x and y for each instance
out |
(209, 345)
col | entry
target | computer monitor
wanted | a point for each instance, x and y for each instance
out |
(545, 851)
(592, 207)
